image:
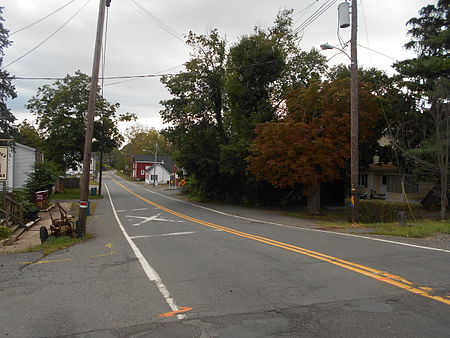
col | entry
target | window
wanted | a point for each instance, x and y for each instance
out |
(394, 184)
(142, 172)
(384, 180)
(153, 178)
(363, 180)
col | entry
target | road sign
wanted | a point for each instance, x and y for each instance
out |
(3, 163)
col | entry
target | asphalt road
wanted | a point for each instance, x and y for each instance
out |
(161, 267)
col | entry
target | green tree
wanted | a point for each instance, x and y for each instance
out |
(61, 110)
(196, 112)
(43, 177)
(7, 89)
(427, 77)
(311, 144)
(28, 134)
(223, 95)
(141, 140)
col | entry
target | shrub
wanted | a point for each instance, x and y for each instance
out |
(43, 177)
(5, 232)
(30, 209)
(374, 211)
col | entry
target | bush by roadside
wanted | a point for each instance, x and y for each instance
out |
(373, 211)
(5, 232)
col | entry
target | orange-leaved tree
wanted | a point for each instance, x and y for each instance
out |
(310, 144)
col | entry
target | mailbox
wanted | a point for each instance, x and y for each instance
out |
(42, 199)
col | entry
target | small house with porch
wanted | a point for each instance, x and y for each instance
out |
(384, 181)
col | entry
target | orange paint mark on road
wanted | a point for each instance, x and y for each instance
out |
(173, 313)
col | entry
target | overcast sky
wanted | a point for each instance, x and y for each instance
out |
(136, 45)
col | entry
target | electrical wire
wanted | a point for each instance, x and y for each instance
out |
(365, 28)
(99, 78)
(322, 9)
(42, 19)
(142, 10)
(48, 38)
(157, 73)
(304, 11)
(375, 51)
(105, 39)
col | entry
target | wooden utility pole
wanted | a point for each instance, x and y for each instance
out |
(354, 162)
(84, 194)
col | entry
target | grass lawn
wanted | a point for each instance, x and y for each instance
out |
(121, 174)
(423, 228)
(71, 194)
(337, 220)
(53, 244)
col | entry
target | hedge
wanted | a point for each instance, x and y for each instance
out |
(381, 211)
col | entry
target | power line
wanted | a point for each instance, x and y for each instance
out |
(304, 11)
(104, 48)
(99, 78)
(42, 19)
(158, 73)
(375, 51)
(142, 10)
(365, 26)
(322, 9)
(48, 38)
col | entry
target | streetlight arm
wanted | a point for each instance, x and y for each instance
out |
(325, 46)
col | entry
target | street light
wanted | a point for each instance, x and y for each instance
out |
(326, 45)
(354, 101)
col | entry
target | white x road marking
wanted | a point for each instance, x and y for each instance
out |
(151, 218)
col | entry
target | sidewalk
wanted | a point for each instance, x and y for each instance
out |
(31, 237)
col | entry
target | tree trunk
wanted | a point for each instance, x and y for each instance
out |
(443, 139)
(313, 199)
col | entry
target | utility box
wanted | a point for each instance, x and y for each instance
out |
(42, 199)
(344, 15)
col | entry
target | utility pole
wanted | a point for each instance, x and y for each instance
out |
(154, 166)
(84, 194)
(354, 155)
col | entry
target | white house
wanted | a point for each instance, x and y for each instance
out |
(16, 163)
(163, 172)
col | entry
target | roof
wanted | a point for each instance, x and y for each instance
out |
(20, 145)
(385, 168)
(168, 164)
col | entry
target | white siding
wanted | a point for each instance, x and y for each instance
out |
(161, 172)
(23, 163)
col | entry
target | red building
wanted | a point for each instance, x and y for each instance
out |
(143, 162)
(140, 163)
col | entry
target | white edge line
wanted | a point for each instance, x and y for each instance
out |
(149, 271)
(295, 227)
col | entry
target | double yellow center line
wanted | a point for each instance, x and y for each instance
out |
(361, 269)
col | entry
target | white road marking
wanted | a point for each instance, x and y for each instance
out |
(151, 218)
(139, 209)
(162, 235)
(149, 271)
(301, 228)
